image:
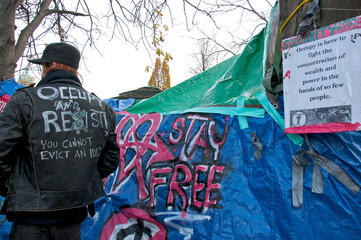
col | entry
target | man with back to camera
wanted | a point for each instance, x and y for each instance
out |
(57, 141)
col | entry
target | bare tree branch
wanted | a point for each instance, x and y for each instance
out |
(26, 32)
(63, 12)
(132, 21)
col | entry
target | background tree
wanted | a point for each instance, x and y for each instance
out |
(205, 58)
(21, 40)
(249, 16)
(25, 25)
(160, 76)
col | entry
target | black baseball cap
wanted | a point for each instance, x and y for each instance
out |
(61, 53)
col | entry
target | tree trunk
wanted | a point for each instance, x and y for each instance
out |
(7, 40)
(9, 52)
(333, 11)
(286, 8)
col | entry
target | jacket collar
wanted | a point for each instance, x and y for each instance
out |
(60, 77)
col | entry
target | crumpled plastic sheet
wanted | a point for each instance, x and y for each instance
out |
(119, 105)
(9, 86)
(311, 18)
(258, 144)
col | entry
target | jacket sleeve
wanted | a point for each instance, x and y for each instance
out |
(109, 158)
(11, 133)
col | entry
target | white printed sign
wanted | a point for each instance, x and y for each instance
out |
(322, 79)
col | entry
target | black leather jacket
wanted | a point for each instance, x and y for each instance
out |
(57, 141)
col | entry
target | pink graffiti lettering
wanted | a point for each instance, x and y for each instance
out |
(202, 133)
(212, 187)
(177, 185)
(177, 130)
(137, 136)
(200, 183)
(197, 185)
(212, 133)
(194, 184)
(155, 181)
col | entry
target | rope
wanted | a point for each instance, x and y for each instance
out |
(293, 13)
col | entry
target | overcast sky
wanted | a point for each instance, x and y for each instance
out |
(121, 67)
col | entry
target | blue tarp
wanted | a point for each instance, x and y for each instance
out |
(119, 105)
(195, 176)
(9, 86)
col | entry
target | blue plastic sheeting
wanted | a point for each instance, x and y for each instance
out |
(119, 105)
(9, 86)
(5, 226)
(195, 176)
